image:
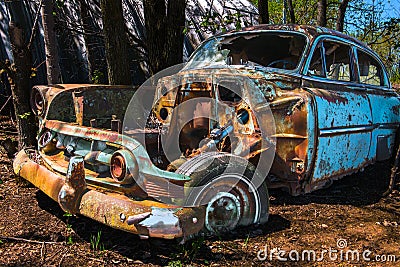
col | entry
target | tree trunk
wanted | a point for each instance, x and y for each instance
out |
(291, 12)
(164, 32)
(263, 13)
(19, 74)
(341, 15)
(116, 42)
(154, 17)
(94, 43)
(175, 37)
(50, 41)
(321, 13)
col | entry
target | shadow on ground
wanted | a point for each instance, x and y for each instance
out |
(360, 189)
(161, 251)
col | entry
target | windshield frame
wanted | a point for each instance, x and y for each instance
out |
(227, 35)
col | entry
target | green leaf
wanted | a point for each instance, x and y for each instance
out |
(25, 115)
(70, 241)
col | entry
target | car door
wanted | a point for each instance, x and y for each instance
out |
(343, 118)
(385, 104)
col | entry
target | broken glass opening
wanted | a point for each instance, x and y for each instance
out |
(265, 49)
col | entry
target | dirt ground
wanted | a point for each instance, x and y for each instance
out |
(350, 216)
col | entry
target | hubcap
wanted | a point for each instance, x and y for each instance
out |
(222, 212)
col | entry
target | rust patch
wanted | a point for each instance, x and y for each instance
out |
(71, 192)
(396, 110)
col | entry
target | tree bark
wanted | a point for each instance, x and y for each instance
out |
(291, 12)
(341, 14)
(164, 32)
(19, 74)
(321, 13)
(94, 43)
(154, 17)
(263, 13)
(175, 37)
(50, 43)
(116, 42)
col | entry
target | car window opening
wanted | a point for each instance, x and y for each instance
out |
(265, 49)
(370, 70)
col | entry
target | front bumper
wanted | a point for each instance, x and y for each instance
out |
(146, 218)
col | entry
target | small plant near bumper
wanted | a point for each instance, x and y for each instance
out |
(68, 229)
(95, 242)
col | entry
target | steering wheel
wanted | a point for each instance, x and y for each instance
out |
(284, 62)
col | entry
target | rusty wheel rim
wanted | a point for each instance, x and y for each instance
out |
(232, 201)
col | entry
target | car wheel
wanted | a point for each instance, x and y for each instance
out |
(223, 183)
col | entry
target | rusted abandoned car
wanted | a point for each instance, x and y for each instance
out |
(274, 106)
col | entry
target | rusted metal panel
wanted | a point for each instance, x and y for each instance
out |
(112, 209)
(344, 125)
(47, 181)
(385, 114)
(78, 106)
(74, 186)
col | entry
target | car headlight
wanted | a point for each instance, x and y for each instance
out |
(123, 167)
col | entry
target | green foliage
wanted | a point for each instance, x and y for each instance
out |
(97, 77)
(175, 263)
(59, 3)
(67, 214)
(187, 252)
(95, 242)
(33, 72)
(254, 2)
(247, 240)
(68, 229)
(214, 23)
(395, 76)
(25, 115)
(369, 23)
(70, 241)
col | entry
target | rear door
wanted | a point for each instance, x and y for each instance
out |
(384, 104)
(343, 114)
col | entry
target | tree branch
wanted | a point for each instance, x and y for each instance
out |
(33, 31)
(27, 240)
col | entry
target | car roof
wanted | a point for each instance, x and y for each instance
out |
(311, 31)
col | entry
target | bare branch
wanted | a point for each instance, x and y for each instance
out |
(27, 240)
(33, 31)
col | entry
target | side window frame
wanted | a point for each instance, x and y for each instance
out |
(353, 62)
(318, 48)
(385, 79)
